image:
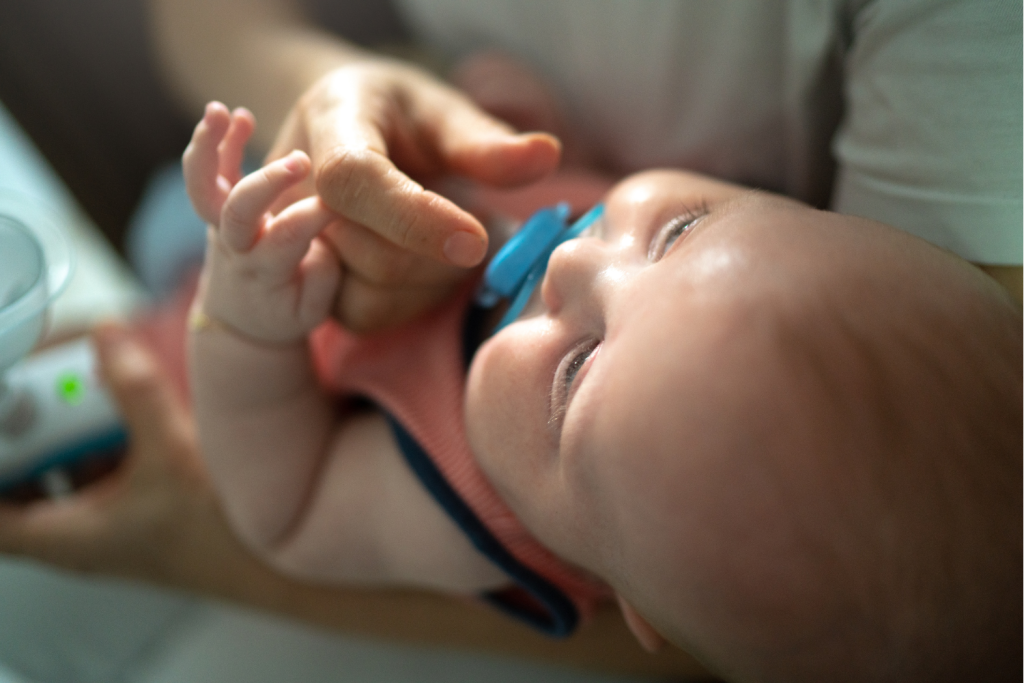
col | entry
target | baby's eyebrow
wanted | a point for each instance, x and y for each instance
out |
(717, 210)
(702, 214)
(732, 203)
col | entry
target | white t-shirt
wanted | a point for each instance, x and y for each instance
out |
(905, 112)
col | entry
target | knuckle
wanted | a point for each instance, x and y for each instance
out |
(405, 228)
(231, 213)
(364, 185)
(337, 178)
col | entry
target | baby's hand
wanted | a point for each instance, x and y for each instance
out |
(266, 276)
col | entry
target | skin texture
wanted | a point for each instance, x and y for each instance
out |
(814, 399)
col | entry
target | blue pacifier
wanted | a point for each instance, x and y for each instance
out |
(519, 266)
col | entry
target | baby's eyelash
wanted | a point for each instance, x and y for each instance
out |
(565, 376)
(574, 367)
(676, 227)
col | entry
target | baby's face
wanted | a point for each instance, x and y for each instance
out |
(729, 407)
(656, 289)
(608, 416)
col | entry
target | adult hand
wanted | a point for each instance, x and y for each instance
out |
(508, 89)
(150, 517)
(377, 130)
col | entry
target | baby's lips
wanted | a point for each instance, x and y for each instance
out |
(465, 249)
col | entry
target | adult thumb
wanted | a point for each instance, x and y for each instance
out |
(141, 390)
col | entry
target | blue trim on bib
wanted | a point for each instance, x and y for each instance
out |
(557, 615)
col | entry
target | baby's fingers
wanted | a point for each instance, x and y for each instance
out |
(286, 240)
(232, 147)
(244, 212)
(201, 163)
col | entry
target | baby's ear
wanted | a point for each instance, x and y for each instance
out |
(649, 639)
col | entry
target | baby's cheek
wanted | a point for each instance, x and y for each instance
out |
(492, 427)
(477, 415)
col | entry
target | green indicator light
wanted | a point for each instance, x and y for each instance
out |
(70, 388)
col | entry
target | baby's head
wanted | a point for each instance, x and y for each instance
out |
(790, 440)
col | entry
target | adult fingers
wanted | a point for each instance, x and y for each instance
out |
(356, 176)
(321, 275)
(380, 262)
(232, 148)
(365, 186)
(508, 90)
(366, 307)
(357, 173)
(477, 145)
(291, 136)
(157, 423)
(69, 533)
(201, 163)
(85, 531)
(242, 216)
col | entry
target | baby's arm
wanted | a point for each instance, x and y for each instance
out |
(318, 495)
(256, 398)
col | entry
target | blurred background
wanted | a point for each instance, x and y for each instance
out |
(79, 77)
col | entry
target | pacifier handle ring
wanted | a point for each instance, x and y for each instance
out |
(536, 273)
(510, 266)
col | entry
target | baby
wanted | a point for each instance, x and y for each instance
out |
(786, 440)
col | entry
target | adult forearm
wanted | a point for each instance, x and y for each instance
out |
(204, 557)
(261, 54)
(1010, 277)
(264, 427)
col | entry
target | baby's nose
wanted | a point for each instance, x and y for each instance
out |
(573, 273)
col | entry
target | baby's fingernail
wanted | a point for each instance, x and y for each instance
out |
(212, 107)
(465, 249)
(294, 162)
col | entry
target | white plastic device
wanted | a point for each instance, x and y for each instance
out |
(53, 410)
(64, 414)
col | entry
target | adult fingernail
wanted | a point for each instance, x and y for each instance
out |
(465, 249)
